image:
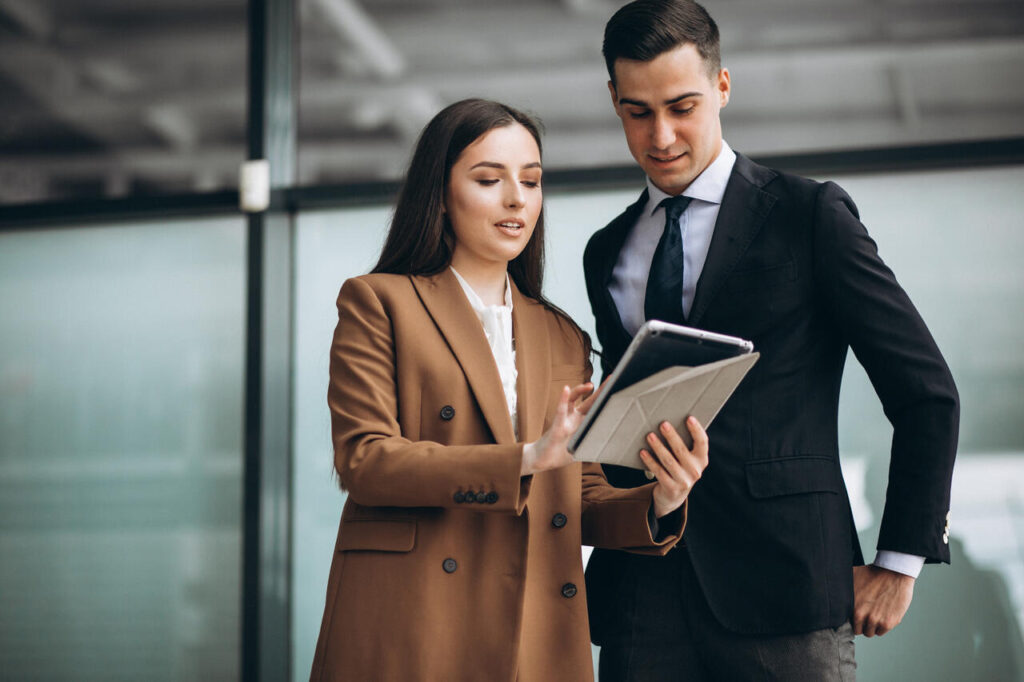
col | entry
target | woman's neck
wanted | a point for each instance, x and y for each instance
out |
(487, 280)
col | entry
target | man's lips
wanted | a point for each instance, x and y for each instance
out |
(665, 160)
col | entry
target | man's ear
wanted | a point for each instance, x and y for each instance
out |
(724, 87)
(615, 97)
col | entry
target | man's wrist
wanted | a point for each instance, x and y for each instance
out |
(899, 562)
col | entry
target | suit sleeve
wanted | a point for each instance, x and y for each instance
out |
(374, 462)
(876, 318)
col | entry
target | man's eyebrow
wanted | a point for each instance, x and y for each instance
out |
(674, 100)
(501, 166)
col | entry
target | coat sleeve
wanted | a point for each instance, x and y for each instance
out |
(374, 462)
(619, 518)
(876, 318)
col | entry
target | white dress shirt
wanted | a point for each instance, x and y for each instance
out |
(628, 286)
(697, 223)
(497, 323)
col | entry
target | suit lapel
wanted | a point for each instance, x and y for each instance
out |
(444, 299)
(744, 209)
(612, 239)
(533, 363)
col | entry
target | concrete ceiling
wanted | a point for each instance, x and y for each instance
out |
(110, 97)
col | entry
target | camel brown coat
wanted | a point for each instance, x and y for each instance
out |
(449, 565)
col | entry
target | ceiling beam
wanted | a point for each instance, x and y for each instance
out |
(33, 17)
(349, 21)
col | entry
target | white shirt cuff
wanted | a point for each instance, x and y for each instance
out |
(907, 564)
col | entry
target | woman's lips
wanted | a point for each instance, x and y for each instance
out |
(512, 228)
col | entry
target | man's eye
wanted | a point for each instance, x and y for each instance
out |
(638, 114)
(683, 112)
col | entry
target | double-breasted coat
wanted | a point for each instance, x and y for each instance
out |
(449, 565)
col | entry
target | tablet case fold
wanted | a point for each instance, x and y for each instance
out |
(619, 431)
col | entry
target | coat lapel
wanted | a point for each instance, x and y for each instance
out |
(744, 209)
(444, 299)
(533, 363)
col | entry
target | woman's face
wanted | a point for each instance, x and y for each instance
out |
(494, 197)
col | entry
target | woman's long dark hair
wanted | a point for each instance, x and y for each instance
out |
(420, 240)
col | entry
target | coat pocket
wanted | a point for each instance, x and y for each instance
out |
(794, 476)
(377, 536)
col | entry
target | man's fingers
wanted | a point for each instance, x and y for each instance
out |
(669, 463)
(700, 437)
(653, 465)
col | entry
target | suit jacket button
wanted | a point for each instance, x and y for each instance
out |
(447, 412)
(449, 565)
(481, 497)
(492, 497)
(459, 497)
(469, 497)
(558, 520)
(568, 590)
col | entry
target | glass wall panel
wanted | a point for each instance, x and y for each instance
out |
(331, 246)
(121, 377)
(955, 240)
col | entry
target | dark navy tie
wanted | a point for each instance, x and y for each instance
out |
(664, 297)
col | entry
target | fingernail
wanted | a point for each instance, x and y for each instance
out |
(692, 420)
(665, 426)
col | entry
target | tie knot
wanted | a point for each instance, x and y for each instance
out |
(674, 207)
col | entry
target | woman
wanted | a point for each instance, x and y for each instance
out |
(458, 554)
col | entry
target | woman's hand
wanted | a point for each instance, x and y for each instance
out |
(676, 466)
(549, 451)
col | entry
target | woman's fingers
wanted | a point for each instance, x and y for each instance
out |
(585, 406)
(579, 392)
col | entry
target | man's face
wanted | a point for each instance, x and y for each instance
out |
(669, 109)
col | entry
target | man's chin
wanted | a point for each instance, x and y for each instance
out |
(670, 182)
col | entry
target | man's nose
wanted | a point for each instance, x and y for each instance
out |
(663, 135)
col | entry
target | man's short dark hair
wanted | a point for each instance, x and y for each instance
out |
(644, 29)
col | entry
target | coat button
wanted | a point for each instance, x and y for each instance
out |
(481, 497)
(447, 412)
(449, 565)
(459, 497)
(492, 497)
(568, 590)
(558, 520)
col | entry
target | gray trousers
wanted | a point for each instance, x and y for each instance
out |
(693, 647)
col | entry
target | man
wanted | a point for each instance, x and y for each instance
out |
(769, 581)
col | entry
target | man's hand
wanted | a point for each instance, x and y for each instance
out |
(881, 597)
(676, 466)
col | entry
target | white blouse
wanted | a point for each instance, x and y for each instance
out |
(497, 323)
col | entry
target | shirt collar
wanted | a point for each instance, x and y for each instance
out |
(709, 186)
(475, 301)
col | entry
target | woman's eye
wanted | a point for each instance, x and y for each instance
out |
(531, 183)
(485, 181)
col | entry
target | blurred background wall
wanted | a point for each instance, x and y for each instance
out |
(123, 328)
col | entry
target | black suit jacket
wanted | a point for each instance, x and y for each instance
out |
(770, 531)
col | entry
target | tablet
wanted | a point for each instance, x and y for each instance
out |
(657, 346)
